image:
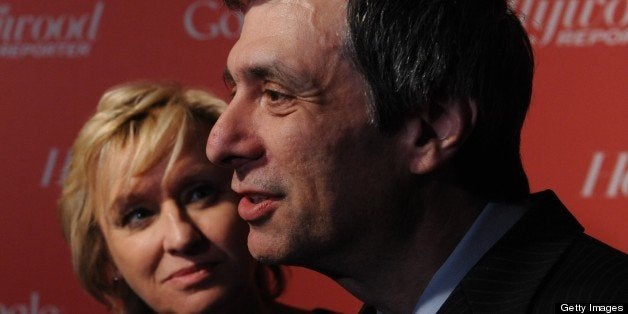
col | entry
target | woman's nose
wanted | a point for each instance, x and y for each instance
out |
(181, 235)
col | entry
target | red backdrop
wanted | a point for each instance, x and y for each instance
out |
(57, 57)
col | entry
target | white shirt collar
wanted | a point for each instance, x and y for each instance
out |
(492, 223)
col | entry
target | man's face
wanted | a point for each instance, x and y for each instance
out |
(314, 173)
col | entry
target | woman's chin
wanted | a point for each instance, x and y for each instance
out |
(208, 300)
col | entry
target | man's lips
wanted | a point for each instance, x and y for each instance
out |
(257, 206)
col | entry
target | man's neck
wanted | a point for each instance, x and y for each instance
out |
(391, 275)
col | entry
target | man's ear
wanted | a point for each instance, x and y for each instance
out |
(433, 138)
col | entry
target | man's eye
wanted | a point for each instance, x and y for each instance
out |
(232, 92)
(274, 95)
(278, 103)
(136, 216)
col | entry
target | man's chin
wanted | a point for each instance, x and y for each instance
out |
(272, 254)
(287, 257)
(269, 258)
(277, 249)
(265, 249)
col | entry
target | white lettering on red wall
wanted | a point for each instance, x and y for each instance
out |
(608, 174)
(575, 23)
(55, 168)
(32, 306)
(205, 20)
(43, 35)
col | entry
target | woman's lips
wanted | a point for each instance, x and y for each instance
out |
(191, 276)
(254, 207)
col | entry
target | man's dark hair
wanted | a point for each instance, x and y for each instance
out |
(415, 54)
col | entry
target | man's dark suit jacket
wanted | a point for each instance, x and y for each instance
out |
(545, 258)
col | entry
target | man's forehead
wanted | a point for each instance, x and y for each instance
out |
(325, 10)
(309, 4)
(300, 20)
(287, 39)
(304, 3)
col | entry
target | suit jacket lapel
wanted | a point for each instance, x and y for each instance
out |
(507, 277)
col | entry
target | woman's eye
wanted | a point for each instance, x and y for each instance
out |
(136, 216)
(201, 192)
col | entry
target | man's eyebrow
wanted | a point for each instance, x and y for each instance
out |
(276, 72)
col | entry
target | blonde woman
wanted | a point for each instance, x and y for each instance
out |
(152, 225)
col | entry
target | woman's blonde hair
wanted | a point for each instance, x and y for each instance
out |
(159, 120)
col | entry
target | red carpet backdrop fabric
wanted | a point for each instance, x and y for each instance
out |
(57, 58)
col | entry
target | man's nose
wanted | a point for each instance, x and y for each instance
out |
(233, 140)
(181, 236)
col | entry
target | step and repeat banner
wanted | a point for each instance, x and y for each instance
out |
(57, 58)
